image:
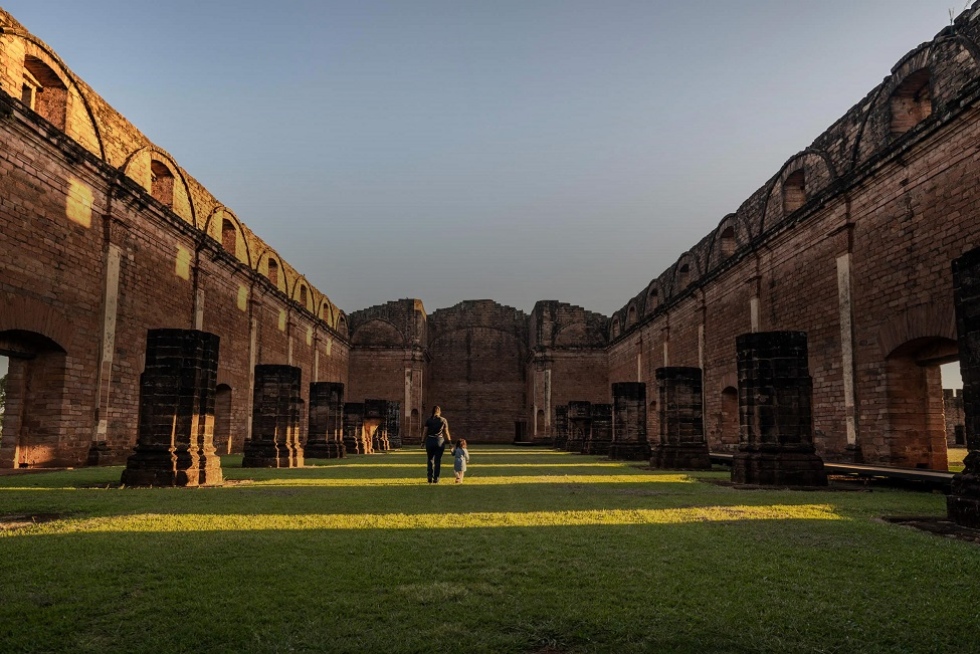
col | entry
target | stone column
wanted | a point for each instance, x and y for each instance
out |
(393, 423)
(325, 438)
(375, 424)
(561, 427)
(354, 429)
(629, 422)
(682, 444)
(963, 501)
(579, 425)
(774, 393)
(602, 430)
(175, 443)
(275, 419)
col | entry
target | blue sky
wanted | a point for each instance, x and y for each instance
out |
(513, 150)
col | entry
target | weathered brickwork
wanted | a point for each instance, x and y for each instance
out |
(106, 237)
(850, 242)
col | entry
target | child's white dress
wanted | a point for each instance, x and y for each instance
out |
(460, 458)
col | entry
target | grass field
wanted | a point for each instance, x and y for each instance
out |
(537, 551)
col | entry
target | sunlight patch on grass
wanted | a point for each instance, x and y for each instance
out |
(156, 523)
(421, 466)
(484, 481)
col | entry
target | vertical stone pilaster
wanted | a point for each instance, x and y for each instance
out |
(629, 422)
(175, 444)
(325, 438)
(276, 409)
(774, 396)
(579, 425)
(393, 423)
(963, 501)
(561, 427)
(354, 429)
(601, 434)
(682, 444)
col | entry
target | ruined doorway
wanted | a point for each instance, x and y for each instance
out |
(915, 435)
(223, 441)
(34, 410)
(3, 393)
(728, 427)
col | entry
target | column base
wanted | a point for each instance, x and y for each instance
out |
(269, 455)
(100, 454)
(693, 456)
(161, 467)
(629, 451)
(778, 466)
(597, 448)
(574, 445)
(324, 451)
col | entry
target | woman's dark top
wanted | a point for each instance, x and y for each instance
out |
(436, 426)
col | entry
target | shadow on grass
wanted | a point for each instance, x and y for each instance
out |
(735, 586)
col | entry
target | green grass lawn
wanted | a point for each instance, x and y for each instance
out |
(538, 551)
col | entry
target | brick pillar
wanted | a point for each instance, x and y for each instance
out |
(561, 427)
(354, 429)
(579, 425)
(629, 422)
(774, 392)
(963, 501)
(276, 405)
(393, 423)
(682, 444)
(600, 438)
(325, 438)
(175, 443)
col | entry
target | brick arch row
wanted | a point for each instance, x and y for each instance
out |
(952, 58)
(108, 136)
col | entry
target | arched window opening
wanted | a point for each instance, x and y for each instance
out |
(302, 295)
(683, 276)
(653, 299)
(631, 317)
(615, 328)
(794, 192)
(911, 103)
(228, 236)
(728, 242)
(161, 183)
(274, 272)
(539, 423)
(44, 92)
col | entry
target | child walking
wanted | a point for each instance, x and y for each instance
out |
(460, 458)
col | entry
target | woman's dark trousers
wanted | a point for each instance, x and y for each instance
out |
(434, 453)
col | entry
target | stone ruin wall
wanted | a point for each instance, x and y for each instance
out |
(105, 237)
(860, 228)
(850, 241)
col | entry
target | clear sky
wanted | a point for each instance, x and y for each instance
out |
(450, 150)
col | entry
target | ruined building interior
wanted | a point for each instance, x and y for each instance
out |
(850, 242)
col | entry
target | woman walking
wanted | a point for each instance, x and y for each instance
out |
(436, 438)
